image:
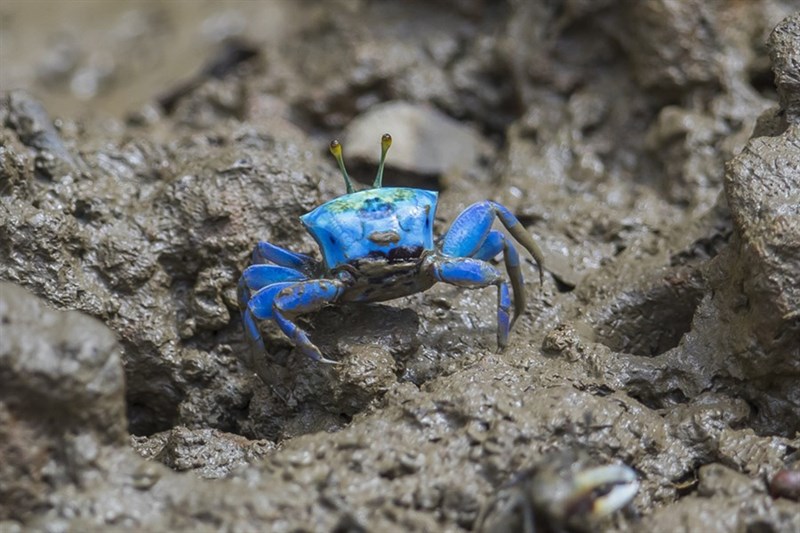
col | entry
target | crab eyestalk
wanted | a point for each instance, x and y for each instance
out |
(336, 150)
(386, 142)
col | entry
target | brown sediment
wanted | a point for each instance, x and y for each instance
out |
(644, 149)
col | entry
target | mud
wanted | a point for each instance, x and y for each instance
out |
(644, 145)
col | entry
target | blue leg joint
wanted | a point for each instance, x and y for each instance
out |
(493, 243)
(251, 331)
(265, 252)
(273, 269)
(304, 297)
(471, 229)
(259, 276)
(262, 302)
(257, 307)
(474, 273)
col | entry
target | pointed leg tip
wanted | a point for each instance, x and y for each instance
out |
(316, 355)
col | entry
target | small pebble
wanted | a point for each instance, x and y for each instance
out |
(786, 484)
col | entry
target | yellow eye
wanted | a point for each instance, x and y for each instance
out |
(386, 142)
(336, 150)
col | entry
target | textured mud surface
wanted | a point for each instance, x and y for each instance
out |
(652, 148)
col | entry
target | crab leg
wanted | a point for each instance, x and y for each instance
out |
(494, 243)
(265, 252)
(251, 331)
(470, 229)
(474, 273)
(304, 297)
(253, 280)
(491, 246)
(258, 306)
(259, 276)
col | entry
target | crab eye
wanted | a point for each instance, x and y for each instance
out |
(386, 142)
(336, 150)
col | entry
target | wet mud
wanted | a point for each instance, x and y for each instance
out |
(652, 148)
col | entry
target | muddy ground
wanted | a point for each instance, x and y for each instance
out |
(652, 148)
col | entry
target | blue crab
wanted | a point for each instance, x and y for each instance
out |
(377, 245)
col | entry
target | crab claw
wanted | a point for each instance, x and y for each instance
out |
(561, 494)
(604, 489)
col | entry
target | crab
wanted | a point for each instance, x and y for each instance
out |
(564, 492)
(378, 244)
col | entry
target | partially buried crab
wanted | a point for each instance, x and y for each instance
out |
(565, 492)
(377, 245)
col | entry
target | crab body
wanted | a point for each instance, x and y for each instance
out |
(378, 245)
(394, 224)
